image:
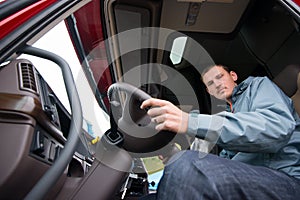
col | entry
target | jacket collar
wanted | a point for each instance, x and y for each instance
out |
(240, 88)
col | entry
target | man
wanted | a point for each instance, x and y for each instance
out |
(260, 137)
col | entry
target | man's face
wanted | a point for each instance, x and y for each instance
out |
(219, 82)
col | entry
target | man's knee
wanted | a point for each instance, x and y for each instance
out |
(184, 175)
(190, 166)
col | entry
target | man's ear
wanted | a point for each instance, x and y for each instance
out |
(233, 75)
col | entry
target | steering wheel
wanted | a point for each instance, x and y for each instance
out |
(139, 134)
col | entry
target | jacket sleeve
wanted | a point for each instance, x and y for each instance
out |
(265, 127)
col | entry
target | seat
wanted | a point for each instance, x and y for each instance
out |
(289, 81)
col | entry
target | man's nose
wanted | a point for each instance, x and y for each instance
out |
(218, 83)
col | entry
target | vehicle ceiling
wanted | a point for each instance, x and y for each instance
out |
(253, 37)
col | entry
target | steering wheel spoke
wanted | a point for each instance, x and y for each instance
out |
(139, 134)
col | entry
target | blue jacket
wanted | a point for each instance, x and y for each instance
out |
(263, 129)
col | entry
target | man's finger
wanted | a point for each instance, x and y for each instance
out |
(153, 102)
(156, 111)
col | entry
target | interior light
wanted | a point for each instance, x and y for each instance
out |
(192, 14)
(194, 9)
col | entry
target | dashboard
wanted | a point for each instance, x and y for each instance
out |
(34, 126)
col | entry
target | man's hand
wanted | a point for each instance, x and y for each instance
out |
(166, 115)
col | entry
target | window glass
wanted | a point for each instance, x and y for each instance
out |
(177, 50)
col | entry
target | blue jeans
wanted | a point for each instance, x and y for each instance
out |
(193, 175)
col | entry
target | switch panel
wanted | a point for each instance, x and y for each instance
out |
(44, 147)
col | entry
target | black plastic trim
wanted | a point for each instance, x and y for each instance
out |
(10, 7)
(293, 10)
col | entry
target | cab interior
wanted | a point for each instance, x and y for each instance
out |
(157, 46)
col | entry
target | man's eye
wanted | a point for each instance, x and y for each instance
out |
(219, 76)
(209, 83)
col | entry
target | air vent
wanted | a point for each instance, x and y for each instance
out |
(27, 75)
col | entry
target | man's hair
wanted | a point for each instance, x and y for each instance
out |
(205, 70)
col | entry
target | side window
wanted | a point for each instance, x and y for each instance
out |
(178, 50)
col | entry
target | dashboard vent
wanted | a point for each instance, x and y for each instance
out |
(27, 75)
